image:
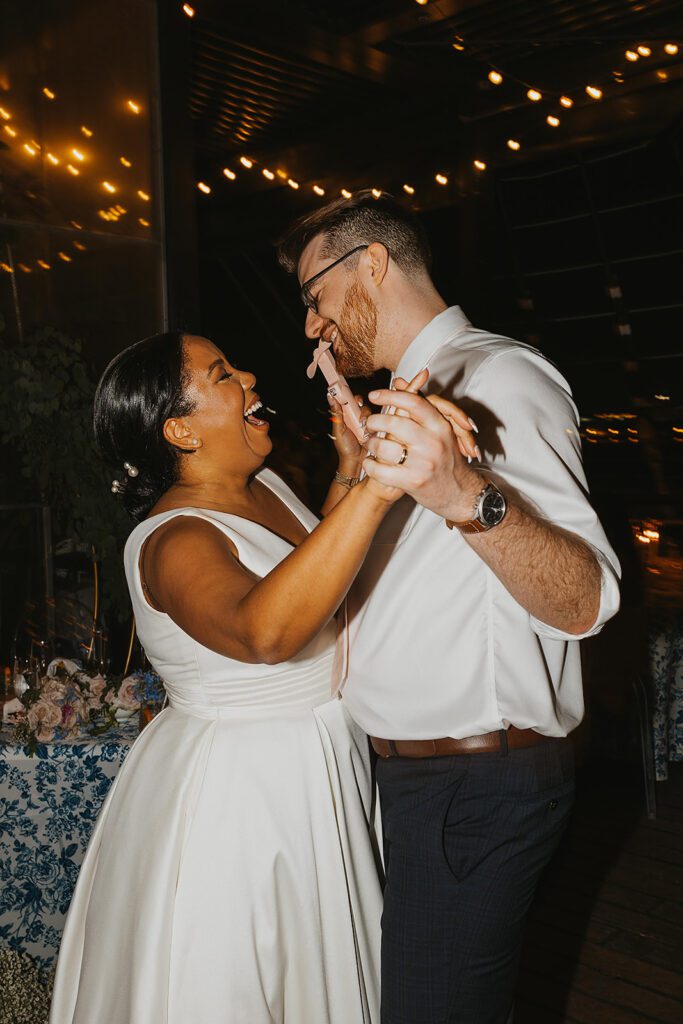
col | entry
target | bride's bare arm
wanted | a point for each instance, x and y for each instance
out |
(192, 574)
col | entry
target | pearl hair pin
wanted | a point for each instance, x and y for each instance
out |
(130, 469)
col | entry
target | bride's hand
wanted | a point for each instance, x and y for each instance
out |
(349, 450)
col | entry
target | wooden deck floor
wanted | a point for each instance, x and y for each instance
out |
(605, 940)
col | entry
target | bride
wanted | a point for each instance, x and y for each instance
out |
(232, 875)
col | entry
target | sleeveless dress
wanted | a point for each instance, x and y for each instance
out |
(232, 874)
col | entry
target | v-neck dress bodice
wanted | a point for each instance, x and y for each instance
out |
(232, 874)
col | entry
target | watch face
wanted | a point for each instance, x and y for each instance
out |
(493, 507)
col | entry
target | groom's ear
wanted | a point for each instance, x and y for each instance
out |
(377, 256)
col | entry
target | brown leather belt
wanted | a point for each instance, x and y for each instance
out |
(488, 742)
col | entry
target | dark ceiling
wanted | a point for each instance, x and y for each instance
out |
(341, 93)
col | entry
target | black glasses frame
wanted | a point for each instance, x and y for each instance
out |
(308, 300)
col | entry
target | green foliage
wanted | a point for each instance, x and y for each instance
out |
(46, 419)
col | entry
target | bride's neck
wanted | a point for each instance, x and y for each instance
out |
(229, 491)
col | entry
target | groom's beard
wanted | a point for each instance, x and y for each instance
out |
(354, 348)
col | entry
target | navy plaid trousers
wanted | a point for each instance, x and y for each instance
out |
(465, 841)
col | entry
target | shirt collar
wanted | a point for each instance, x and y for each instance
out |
(437, 332)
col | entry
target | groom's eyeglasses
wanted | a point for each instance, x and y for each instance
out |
(308, 300)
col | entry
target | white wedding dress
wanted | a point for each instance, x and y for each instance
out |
(231, 877)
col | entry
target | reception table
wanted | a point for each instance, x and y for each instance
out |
(48, 807)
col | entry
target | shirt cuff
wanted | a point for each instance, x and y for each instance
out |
(609, 604)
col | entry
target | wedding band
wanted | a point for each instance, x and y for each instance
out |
(404, 456)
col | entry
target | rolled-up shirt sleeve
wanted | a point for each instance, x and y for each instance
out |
(529, 436)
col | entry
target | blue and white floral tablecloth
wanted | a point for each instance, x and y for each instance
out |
(48, 807)
(666, 671)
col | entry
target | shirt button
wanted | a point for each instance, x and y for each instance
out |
(553, 805)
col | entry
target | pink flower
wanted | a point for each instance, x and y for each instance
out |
(126, 698)
(44, 717)
(97, 685)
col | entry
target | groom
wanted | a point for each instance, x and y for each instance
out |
(463, 661)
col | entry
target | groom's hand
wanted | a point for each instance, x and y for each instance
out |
(433, 470)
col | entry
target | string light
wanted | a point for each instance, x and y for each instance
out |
(441, 179)
(552, 120)
(203, 187)
(514, 144)
(53, 159)
(125, 162)
(43, 264)
(79, 245)
(79, 227)
(293, 184)
(26, 270)
(377, 193)
(566, 101)
(458, 44)
(6, 267)
(189, 11)
(422, 3)
(133, 106)
(318, 190)
(120, 209)
(480, 165)
(246, 162)
(86, 131)
(108, 187)
(345, 192)
(10, 131)
(409, 190)
(29, 149)
(663, 76)
(64, 256)
(534, 95)
(5, 114)
(671, 48)
(49, 93)
(594, 92)
(631, 55)
(79, 156)
(143, 195)
(229, 174)
(281, 174)
(268, 174)
(495, 77)
(145, 223)
(644, 51)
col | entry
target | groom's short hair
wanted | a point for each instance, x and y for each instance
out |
(363, 219)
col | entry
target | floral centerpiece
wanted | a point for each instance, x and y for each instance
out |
(66, 704)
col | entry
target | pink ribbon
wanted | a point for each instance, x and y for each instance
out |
(322, 348)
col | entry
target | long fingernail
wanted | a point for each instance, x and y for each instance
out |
(474, 426)
(469, 457)
(477, 451)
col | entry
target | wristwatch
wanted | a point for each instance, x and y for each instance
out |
(490, 507)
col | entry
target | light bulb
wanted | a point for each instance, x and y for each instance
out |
(268, 174)
(203, 187)
(534, 95)
(64, 256)
(566, 101)
(5, 114)
(229, 174)
(480, 165)
(631, 55)
(49, 93)
(189, 11)
(594, 92)
(409, 190)
(10, 131)
(52, 158)
(345, 192)
(79, 156)
(29, 149)
(514, 144)
(644, 51)
(125, 162)
(318, 190)
(292, 184)
(377, 192)
(671, 48)
(441, 179)
(108, 187)
(552, 120)
(133, 106)
(145, 223)
(495, 77)
(86, 131)
(143, 195)
(246, 162)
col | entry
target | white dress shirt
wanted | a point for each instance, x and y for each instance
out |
(435, 644)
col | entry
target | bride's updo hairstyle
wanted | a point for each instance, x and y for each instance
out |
(142, 387)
